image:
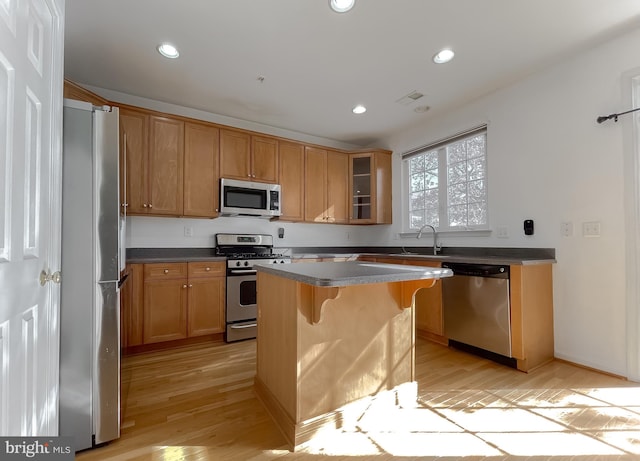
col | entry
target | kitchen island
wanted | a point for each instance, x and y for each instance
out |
(332, 335)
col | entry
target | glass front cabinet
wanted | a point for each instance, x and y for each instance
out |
(370, 187)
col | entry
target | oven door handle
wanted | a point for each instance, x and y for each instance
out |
(240, 327)
(243, 271)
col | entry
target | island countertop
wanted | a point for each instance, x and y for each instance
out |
(337, 274)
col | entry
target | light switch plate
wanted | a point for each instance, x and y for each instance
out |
(566, 229)
(502, 232)
(591, 229)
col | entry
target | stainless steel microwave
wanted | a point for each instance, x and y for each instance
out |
(246, 198)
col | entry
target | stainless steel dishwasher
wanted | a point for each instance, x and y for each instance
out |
(476, 306)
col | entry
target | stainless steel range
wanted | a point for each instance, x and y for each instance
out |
(243, 252)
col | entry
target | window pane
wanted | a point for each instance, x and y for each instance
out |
(477, 213)
(475, 146)
(432, 216)
(457, 173)
(457, 194)
(417, 201)
(458, 215)
(456, 152)
(475, 168)
(476, 191)
(431, 179)
(416, 219)
(431, 199)
(416, 164)
(417, 182)
(431, 160)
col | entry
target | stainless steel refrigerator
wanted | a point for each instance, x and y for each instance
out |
(91, 267)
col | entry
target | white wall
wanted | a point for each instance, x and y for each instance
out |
(550, 161)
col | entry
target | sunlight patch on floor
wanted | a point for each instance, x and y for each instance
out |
(495, 423)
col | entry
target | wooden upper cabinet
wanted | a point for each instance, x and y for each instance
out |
(134, 158)
(166, 163)
(247, 157)
(291, 174)
(337, 187)
(370, 188)
(315, 179)
(201, 170)
(264, 159)
(326, 183)
(235, 155)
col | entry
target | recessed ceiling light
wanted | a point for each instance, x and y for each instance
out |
(168, 51)
(341, 6)
(421, 109)
(443, 56)
(359, 109)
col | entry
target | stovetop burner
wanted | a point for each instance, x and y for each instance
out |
(241, 249)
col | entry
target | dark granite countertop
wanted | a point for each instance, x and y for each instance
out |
(480, 255)
(336, 274)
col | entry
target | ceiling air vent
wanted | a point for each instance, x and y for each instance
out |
(410, 98)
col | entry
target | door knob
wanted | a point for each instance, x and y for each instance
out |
(46, 276)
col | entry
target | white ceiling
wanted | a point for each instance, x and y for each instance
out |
(318, 64)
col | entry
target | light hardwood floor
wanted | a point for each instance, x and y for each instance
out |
(197, 403)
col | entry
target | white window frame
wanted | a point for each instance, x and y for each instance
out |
(441, 146)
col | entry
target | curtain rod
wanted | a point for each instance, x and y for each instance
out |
(604, 118)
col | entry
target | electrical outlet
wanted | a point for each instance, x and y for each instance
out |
(591, 229)
(502, 232)
(188, 231)
(566, 229)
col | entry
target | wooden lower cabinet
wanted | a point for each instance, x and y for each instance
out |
(167, 302)
(207, 292)
(165, 310)
(532, 341)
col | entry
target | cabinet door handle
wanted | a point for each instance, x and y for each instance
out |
(144, 205)
(207, 269)
(150, 206)
(184, 286)
(166, 271)
(190, 286)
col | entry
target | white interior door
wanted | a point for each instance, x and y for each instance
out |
(31, 41)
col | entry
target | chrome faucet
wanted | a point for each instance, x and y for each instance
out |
(436, 246)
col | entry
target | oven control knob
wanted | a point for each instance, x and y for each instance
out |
(237, 263)
(282, 261)
(246, 263)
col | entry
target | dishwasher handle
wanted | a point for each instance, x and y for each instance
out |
(479, 270)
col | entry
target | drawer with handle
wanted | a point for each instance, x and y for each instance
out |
(207, 269)
(160, 271)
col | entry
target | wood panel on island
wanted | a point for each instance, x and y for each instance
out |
(332, 338)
